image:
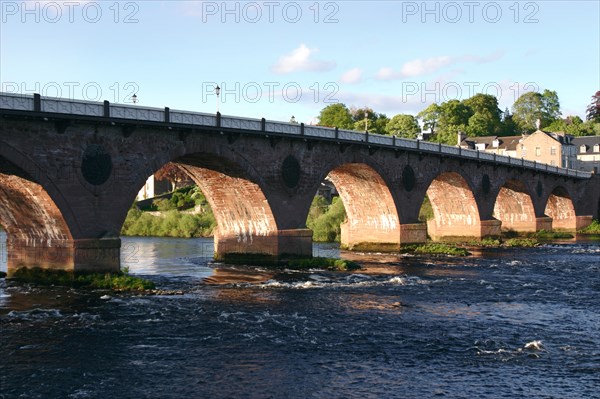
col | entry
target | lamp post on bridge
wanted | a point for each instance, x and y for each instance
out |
(217, 91)
(134, 99)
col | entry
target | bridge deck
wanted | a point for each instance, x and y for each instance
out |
(23, 105)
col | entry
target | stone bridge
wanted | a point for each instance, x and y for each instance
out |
(70, 171)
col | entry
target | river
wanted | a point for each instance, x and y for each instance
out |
(518, 323)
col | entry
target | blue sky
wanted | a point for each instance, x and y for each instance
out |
(275, 59)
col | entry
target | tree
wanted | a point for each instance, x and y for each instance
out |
(532, 106)
(375, 122)
(487, 117)
(593, 110)
(403, 125)
(336, 115)
(174, 174)
(430, 117)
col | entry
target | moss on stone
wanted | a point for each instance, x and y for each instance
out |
(435, 248)
(343, 265)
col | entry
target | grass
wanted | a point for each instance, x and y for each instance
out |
(593, 228)
(113, 281)
(342, 265)
(435, 248)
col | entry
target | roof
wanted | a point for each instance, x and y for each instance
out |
(589, 142)
(561, 137)
(508, 143)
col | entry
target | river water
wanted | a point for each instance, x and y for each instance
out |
(519, 323)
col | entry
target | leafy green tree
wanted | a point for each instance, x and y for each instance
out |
(486, 118)
(574, 125)
(366, 117)
(403, 125)
(336, 115)
(593, 110)
(430, 117)
(532, 106)
(508, 126)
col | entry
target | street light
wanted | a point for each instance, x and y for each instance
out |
(218, 91)
(366, 121)
(134, 98)
(293, 120)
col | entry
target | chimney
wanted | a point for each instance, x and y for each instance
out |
(461, 137)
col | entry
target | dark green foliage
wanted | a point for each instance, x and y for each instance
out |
(113, 281)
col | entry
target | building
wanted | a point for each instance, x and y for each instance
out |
(152, 188)
(588, 153)
(506, 146)
(552, 148)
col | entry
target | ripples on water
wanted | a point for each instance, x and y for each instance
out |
(505, 324)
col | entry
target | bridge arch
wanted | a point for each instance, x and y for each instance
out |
(514, 207)
(245, 221)
(37, 233)
(455, 209)
(372, 219)
(560, 208)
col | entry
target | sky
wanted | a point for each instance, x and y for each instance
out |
(278, 59)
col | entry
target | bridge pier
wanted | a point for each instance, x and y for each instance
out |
(413, 233)
(457, 232)
(284, 244)
(83, 255)
(369, 238)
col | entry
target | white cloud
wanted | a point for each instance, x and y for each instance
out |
(419, 66)
(301, 59)
(351, 76)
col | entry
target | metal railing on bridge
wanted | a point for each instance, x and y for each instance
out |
(36, 103)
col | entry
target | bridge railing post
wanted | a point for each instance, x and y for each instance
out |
(106, 109)
(337, 132)
(37, 102)
(263, 124)
(302, 129)
(218, 119)
(167, 114)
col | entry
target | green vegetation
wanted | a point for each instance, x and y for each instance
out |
(434, 249)
(478, 115)
(171, 222)
(521, 242)
(342, 265)
(426, 211)
(324, 219)
(552, 235)
(593, 228)
(114, 281)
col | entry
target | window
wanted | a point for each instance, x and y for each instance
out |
(582, 148)
(596, 147)
(553, 151)
(538, 151)
(480, 146)
(523, 151)
(553, 162)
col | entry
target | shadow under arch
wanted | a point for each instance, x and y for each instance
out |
(560, 208)
(245, 222)
(37, 233)
(454, 208)
(514, 207)
(372, 219)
